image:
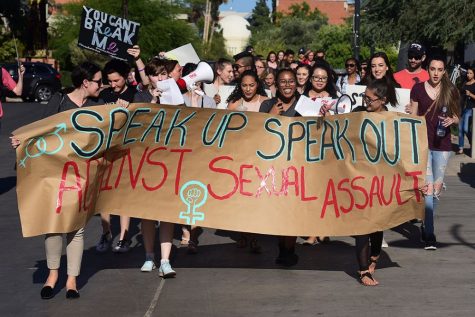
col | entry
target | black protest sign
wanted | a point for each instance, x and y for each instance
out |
(107, 34)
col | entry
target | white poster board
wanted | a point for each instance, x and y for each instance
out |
(356, 92)
(183, 54)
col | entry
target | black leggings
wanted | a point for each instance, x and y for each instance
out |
(363, 248)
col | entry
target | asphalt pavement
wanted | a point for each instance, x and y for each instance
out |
(222, 280)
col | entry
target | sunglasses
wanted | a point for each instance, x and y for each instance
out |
(237, 66)
(414, 56)
(349, 65)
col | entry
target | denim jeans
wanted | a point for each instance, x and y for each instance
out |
(436, 165)
(464, 126)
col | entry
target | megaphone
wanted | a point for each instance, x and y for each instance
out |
(344, 104)
(203, 73)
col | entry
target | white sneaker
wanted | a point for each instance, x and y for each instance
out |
(166, 270)
(104, 243)
(384, 244)
(148, 266)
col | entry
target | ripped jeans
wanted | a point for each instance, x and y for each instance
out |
(436, 165)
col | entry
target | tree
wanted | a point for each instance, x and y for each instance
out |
(260, 16)
(214, 47)
(293, 30)
(436, 22)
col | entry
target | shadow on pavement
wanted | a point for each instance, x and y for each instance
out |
(331, 256)
(7, 183)
(467, 173)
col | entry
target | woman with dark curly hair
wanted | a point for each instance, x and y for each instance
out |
(249, 93)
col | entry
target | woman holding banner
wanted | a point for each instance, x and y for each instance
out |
(381, 69)
(120, 93)
(368, 246)
(284, 104)
(156, 71)
(87, 81)
(248, 96)
(438, 101)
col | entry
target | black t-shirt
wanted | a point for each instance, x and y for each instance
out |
(468, 102)
(60, 102)
(267, 105)
(109, 96)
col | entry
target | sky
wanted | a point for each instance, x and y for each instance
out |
(241, 5)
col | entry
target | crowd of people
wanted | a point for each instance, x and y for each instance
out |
(271, 85)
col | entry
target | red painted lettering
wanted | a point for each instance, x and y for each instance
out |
(360, 189)
(153, 162)
(302, 186)
(375, 191)
(222, 171)
(415, 186)
(350, 195)
(333, 201)
(62, 185)
(243, 180)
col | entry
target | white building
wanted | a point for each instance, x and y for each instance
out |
(235, 32)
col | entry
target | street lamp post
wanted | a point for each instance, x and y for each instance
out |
(356, 29)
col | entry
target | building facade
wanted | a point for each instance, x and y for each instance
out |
(336, 10)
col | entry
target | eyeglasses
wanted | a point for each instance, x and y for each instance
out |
(414, 56)
(260, 67)
(349, 65)
(98, 82)
(237, 66)
(284, 82)
(368, 100)
(320, 79)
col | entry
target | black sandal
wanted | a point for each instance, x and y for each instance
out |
(368, 275)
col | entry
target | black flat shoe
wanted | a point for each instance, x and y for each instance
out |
(72, 294)
(47, 292)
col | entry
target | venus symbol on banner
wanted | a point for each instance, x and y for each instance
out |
(194, 191)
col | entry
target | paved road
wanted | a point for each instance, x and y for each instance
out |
(224, 281)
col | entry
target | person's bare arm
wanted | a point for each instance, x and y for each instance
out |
(135, 52)
(19, 85)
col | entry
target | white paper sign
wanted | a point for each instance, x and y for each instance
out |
(224, 91)
(183, 54)
(356, 92)
(311, 108)
(171, 94)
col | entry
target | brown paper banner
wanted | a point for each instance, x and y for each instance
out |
(252, 172)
